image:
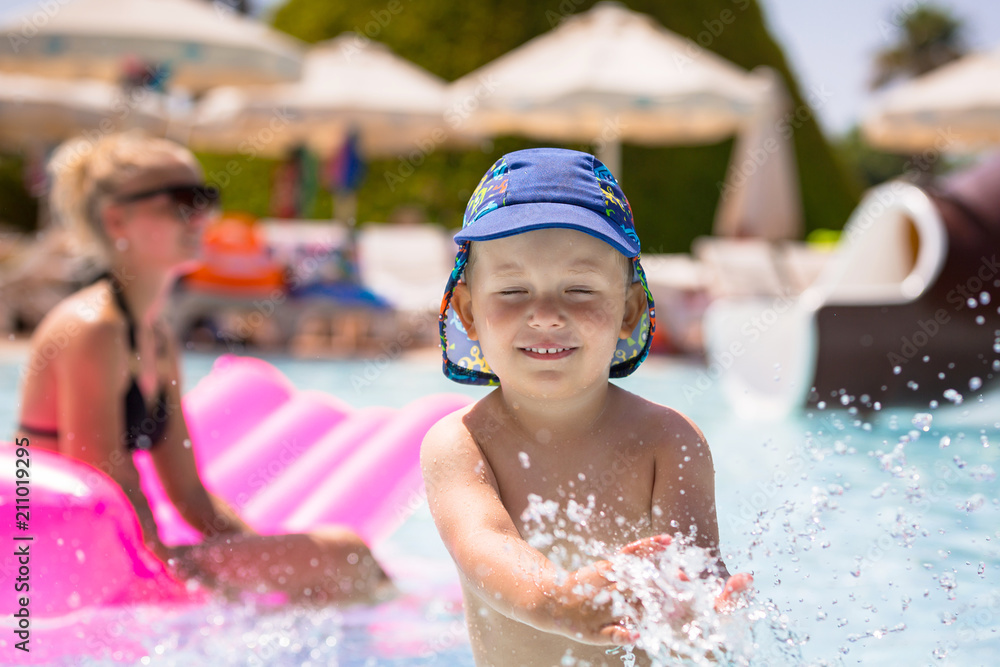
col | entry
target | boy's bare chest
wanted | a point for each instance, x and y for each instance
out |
(565, 498)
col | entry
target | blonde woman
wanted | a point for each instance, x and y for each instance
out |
(104, 380)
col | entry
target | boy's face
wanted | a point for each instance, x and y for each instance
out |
(548, 307)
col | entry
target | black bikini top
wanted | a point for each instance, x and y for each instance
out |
(143, 428)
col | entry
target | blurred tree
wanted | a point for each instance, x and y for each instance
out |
(673, 191)
(869, 165)
(928, 38)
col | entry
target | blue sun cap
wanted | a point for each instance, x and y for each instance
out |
(543, 188)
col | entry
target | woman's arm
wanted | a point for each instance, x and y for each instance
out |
(91, 376)
(496, 562)
(177, 467)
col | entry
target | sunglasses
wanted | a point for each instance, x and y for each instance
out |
(193, 197)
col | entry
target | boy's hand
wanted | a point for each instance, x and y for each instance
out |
(735, 586)
(585, 600)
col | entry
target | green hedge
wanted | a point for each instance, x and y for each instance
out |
(18, 209)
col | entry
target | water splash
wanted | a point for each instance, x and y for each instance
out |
(668, 597)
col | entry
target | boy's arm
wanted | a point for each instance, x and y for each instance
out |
(684, 487)
(504, 571)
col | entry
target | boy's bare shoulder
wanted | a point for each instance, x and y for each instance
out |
(660, 422)
(448, 430)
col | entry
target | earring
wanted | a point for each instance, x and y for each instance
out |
(121, 244)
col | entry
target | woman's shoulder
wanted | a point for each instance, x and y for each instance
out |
(84, 322)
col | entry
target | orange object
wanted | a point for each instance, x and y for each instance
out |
(235, 258)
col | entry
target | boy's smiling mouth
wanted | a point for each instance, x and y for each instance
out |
(547, 352)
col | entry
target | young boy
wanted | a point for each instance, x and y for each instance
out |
(548, 300)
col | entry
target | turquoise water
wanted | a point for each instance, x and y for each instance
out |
(873, 536)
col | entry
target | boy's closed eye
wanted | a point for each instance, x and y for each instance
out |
(581, 291)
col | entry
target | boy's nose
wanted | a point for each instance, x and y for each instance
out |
(546, 313)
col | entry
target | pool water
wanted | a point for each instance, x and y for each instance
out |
(873, 537)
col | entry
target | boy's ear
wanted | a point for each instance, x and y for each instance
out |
(461, 302)
(635, 306)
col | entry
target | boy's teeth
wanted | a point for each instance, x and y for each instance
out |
(547, 350)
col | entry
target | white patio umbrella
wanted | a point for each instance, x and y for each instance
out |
(36, 111)
(347, 84)
(202, 45)
(606, 76)
(956, 108)
(760, 197)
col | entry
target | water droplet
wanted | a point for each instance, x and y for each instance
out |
(896, 370)
(845, 399)
(975, 383)
(953, 396)
(971, 303)
(973, 503)
(821, 405)
(525, 461)
(980, 320)
(984, 298)
(983, 473)
(922, 420)
(944, 442)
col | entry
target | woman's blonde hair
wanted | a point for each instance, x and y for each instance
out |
(84, 171)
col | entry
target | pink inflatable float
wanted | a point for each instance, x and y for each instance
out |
(286, 460)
